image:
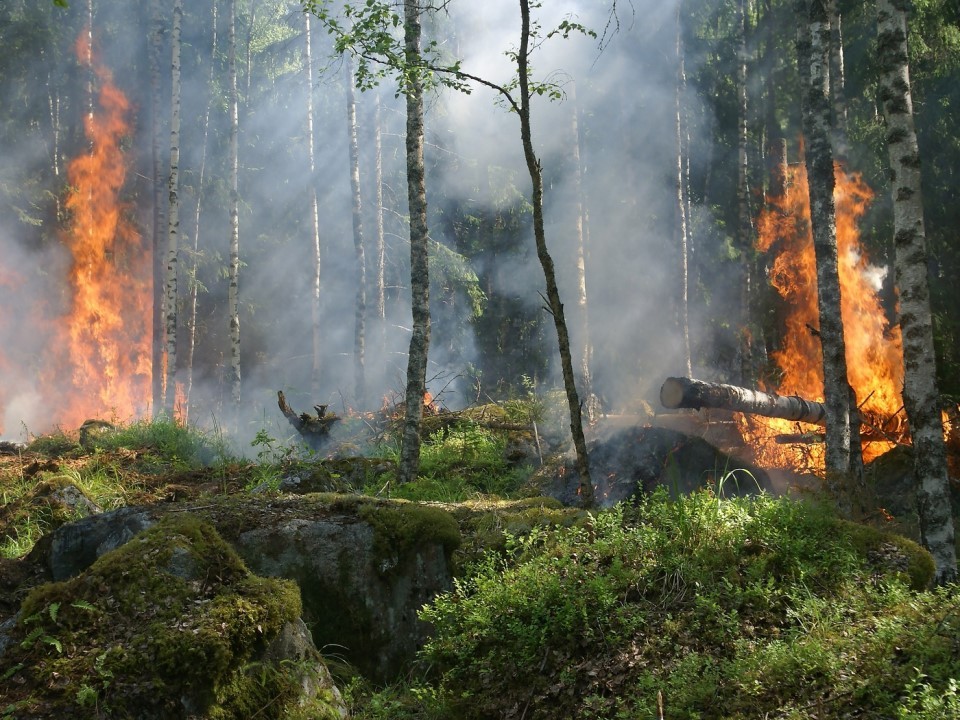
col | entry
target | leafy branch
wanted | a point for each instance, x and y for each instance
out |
(370, 32)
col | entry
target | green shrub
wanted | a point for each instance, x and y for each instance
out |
(727, 608)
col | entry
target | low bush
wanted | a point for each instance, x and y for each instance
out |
(739, 608)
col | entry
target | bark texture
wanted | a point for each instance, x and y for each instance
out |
(812, 50)
(419, 269)
(156, 45)
(173, 218)
(920, 392)
(681, 392)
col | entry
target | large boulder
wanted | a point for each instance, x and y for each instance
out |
(171, 624)
(364, 567)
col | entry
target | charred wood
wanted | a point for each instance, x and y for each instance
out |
(314, 429)
(681, 392)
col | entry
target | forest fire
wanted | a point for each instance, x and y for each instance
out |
(873, 348)
(97, 359)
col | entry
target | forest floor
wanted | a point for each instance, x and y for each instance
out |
(691, 607)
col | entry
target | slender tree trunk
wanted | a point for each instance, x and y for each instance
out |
(546, 261)
(419, 270)
(53, 101)
(775, 153)
(156, 45)
(360, 319)
(194, 280)
(921, 396)
(744, 215)
(234, 268)
(314, 218)
(682, 204)
(580, 229)
(813, 54)
(173, 218)
(381, 289)
(837, 81)
(248, 54)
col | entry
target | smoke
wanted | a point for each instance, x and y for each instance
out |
(623, 97)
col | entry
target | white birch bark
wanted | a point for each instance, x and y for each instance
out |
(173, 218)
(315, 319)
(921, 396)
(813, 53)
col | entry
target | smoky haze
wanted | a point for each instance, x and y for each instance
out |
(623, 97)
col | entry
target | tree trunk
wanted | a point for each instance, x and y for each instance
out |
(315, 318)
(682, 203)
(409, 462)
(194, 281)
(173, 218)
(156, 44)
(812, 52)
(546, 261)
(681, 392)
(381, 289)
(580, 229)
(234, 268)
(920, 393)
(359, 327)
(744, 215)
(837, 81)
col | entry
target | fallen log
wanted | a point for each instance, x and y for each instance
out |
(681, 392)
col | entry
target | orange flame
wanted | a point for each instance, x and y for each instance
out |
(100, 359)
(873, 347)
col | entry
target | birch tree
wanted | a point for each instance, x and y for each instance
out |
(234, 267)
(195, 254)
(813, 57)
(314, 214)
(356, 206)
(370, 39)
(921, 396)
(173, 218)
(156, 46)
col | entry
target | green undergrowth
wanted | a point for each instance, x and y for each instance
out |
(744, 608)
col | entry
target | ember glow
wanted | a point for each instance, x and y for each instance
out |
(97, 363)
(873, 348)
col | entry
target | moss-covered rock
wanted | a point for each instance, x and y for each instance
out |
(364, 567)
(170, 625)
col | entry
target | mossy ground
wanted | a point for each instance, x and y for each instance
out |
(168, 625)
(802, 617)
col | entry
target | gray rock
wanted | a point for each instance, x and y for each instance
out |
(75, 546)
(355, 597)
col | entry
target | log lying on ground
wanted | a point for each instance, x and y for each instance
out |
(681, 392)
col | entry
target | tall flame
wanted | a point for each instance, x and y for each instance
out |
(99, 362)
(873, 347)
